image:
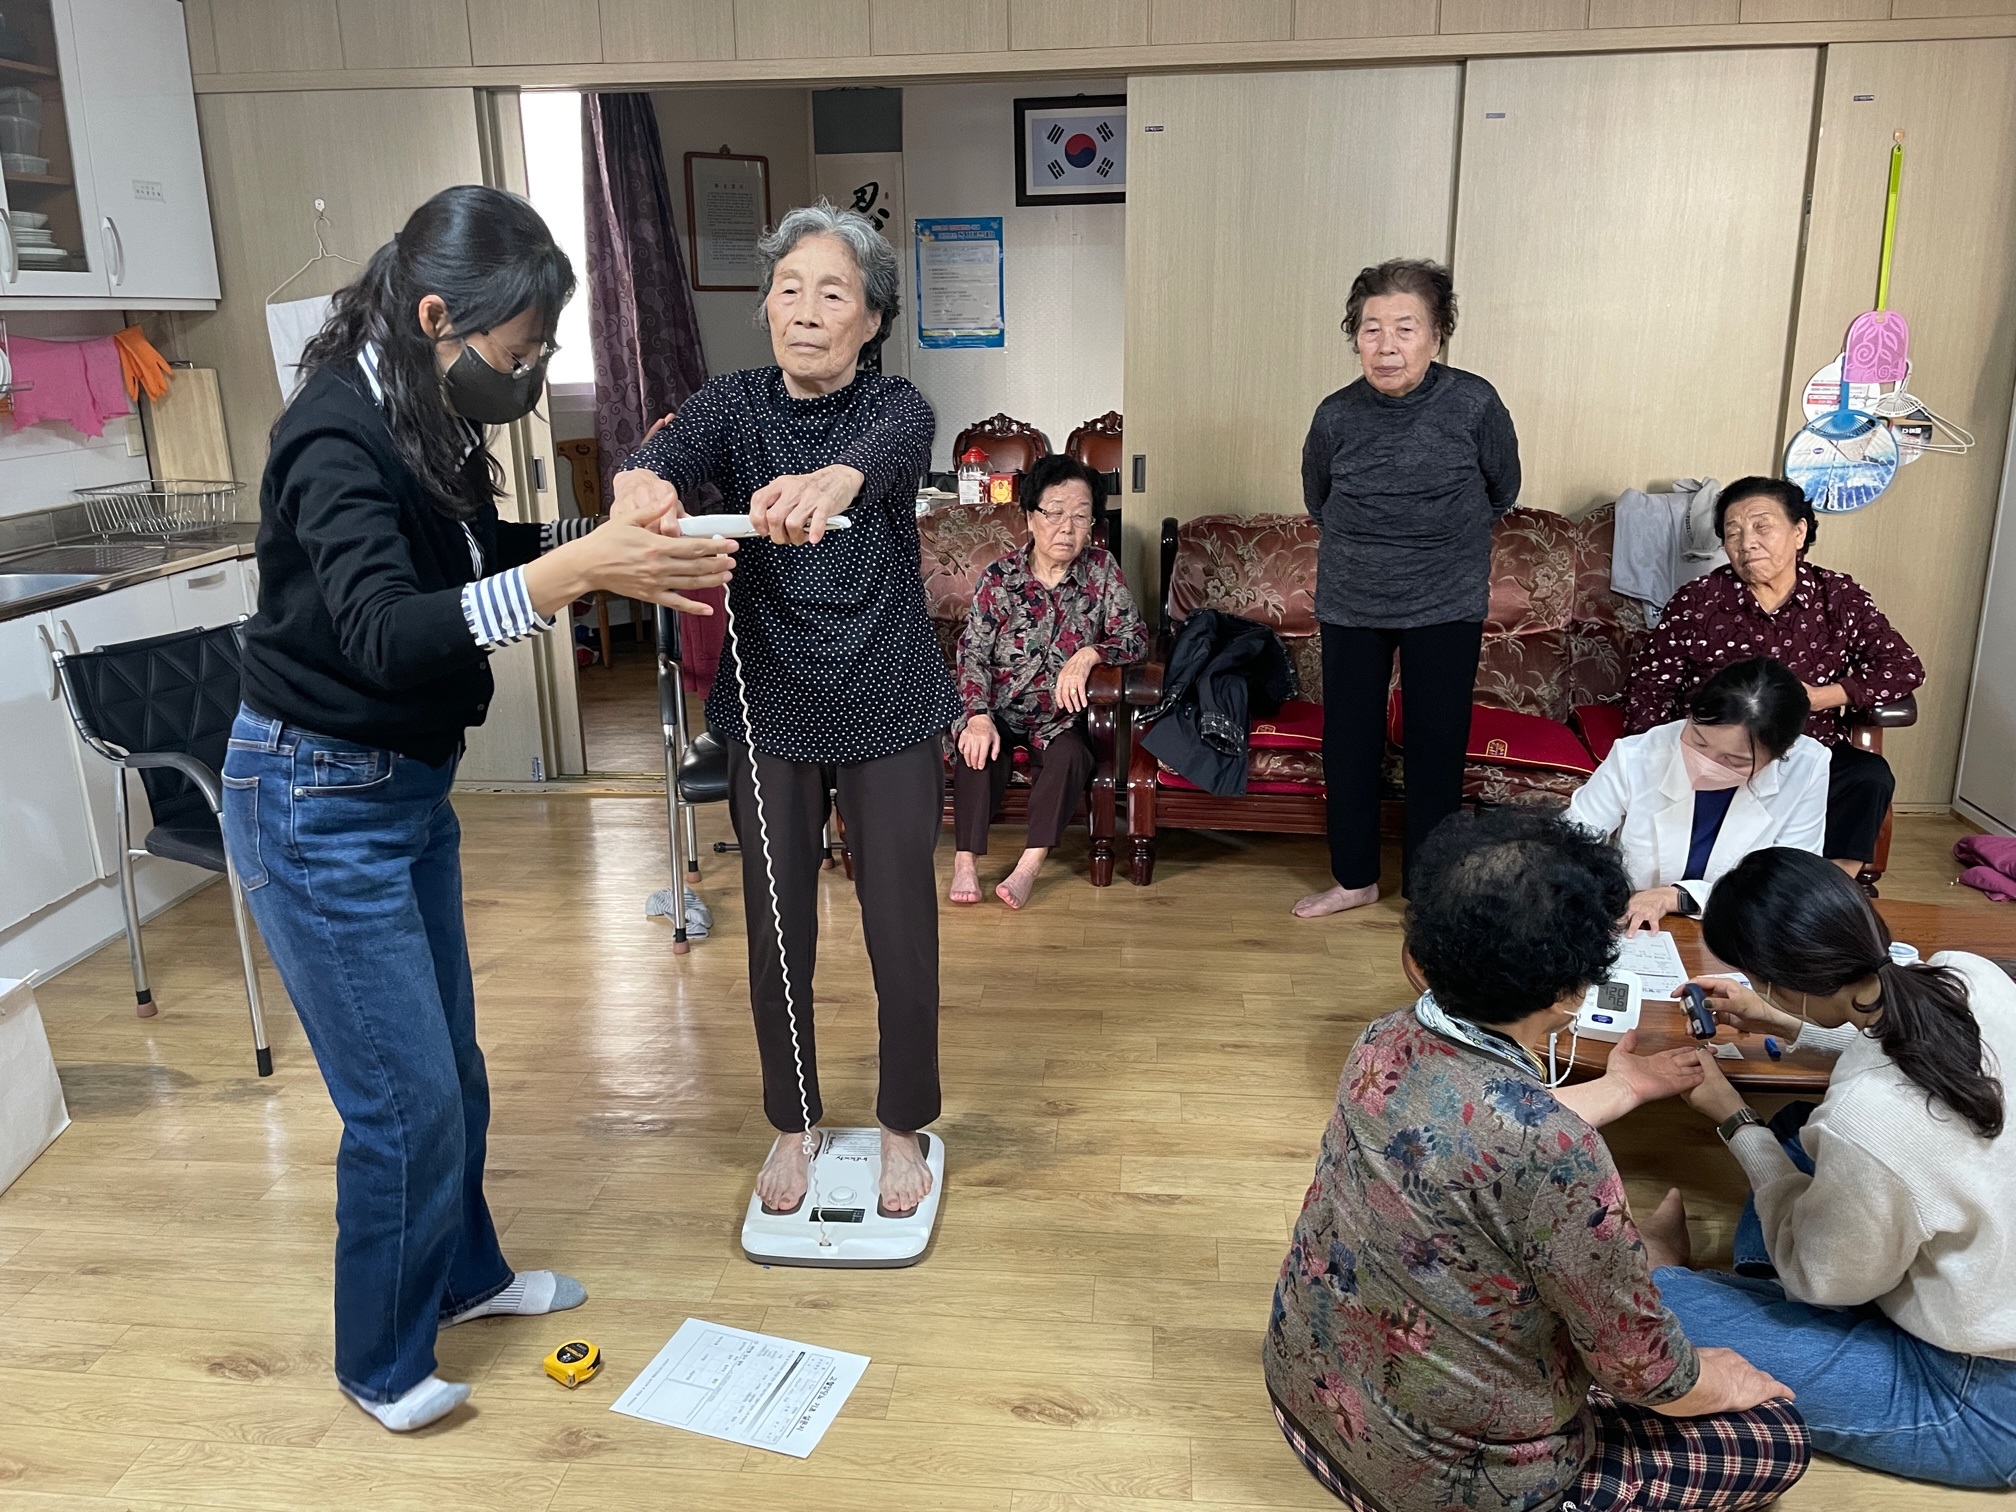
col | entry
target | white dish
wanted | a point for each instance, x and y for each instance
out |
(43, 254)
(28, 218)
(29, 238)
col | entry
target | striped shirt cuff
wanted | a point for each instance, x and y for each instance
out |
(499, 612)
(559, 532)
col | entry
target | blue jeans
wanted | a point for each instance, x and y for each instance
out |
(1871, 1393)
(350, 858)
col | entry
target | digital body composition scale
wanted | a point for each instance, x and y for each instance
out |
(846, 1229)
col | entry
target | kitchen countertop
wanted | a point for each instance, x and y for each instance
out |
(50, 577)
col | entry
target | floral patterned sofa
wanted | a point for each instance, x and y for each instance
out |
(956, 544)
(1550, 682)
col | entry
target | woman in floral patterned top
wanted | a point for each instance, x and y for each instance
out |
(1465, 1268)
(1042, 618)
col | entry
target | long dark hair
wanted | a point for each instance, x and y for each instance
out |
(1762, 696)
(490, 258)
(1791, 919)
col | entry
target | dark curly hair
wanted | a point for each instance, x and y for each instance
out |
(1427, 281)
(1789, 497)
(1511, 911)
(1046, 473)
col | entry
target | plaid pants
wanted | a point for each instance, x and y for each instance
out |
(1644, 1462)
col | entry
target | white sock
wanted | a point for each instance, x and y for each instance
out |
(429, 1402)
(529, 1294)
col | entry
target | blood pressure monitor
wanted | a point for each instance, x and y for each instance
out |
(1610, 1009)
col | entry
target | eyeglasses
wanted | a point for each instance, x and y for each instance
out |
(547, 350)
(1060, 521)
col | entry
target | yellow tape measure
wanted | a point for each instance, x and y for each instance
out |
(574, 1362)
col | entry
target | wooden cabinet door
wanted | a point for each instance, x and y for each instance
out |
(45, 832)
(146, 161)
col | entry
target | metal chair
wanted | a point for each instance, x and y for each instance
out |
(163, 707)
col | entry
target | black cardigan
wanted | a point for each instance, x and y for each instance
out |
(360, 632)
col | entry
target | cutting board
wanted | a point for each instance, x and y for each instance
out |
(189, 439)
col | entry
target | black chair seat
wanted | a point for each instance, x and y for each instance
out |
(703, 770)
(191, 840)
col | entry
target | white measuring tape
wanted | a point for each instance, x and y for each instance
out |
(725, 525)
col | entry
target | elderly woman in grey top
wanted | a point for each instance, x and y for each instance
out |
(1405, 472)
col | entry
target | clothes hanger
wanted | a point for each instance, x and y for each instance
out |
(322, 252)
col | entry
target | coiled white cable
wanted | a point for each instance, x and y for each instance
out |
(811, 1138)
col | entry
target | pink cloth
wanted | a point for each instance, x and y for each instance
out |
(1992, 882)
(76, 382)
(1995, 851)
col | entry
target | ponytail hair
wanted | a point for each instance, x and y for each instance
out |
(1794, 920)
(490, 258)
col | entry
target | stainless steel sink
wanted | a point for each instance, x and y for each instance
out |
(17, 586)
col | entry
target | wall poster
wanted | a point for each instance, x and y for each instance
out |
(727, 210)
(959, 286)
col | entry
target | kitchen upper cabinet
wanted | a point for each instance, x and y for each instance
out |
(46, 847)
(52, 244)
(146, 161)
(101, 171)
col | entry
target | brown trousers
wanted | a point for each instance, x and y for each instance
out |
(1058, 777)
(892, 807)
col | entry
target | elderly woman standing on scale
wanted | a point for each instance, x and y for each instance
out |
(1770, 601)
(1042, 618)
(833, 654)
(1405, 471)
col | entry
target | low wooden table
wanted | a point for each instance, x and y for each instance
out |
(1663, 1023)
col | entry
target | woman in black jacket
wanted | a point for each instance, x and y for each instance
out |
(386, 580)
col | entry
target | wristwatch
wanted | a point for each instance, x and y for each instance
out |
(1728, 1127)
(1685, 906)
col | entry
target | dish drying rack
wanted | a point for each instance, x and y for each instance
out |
(158, 507)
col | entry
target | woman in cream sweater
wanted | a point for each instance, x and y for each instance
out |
(1889, 1218)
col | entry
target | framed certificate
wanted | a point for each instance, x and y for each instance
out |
(1071, 150)
(727, 209)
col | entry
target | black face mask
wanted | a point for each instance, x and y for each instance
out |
(477, 391)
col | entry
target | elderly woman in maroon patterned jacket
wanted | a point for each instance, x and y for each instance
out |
(1042, 619)
(1770, 601)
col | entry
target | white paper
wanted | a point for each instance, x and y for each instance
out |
(959, 282)
(1655, 960)
(730, 205)
(747, 1388)
(289, 328)
(1727, 1051)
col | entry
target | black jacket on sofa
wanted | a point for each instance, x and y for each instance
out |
(1223, 672)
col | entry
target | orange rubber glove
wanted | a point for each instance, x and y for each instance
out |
(141, 365)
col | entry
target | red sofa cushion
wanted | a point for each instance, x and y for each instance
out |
(1504, 738)
(1298, 726)
(1602, 726)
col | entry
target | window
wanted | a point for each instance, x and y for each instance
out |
(553, 174)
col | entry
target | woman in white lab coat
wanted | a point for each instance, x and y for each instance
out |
(1688, 800)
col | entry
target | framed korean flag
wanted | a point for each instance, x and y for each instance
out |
(1071, 150)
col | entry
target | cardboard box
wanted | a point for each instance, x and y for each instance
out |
(31, 1098)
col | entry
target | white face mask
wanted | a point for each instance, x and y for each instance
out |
(1707, 774)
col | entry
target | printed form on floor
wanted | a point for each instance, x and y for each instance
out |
(744, 1387)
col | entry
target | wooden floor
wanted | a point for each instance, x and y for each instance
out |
(1136, 1081)
(620, 727)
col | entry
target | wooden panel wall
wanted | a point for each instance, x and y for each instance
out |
(1233, 337)
(269, 44)
(371, 155)
(1627, 238)
(1922, 549)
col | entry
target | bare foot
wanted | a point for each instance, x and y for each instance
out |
(965, 878)
(786, 1174)
(1018, 884)
(1333, 900)
(1665, 1233)
(906, 1180)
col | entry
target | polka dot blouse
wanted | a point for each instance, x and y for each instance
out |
(834, 639)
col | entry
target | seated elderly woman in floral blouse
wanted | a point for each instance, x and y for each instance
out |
(1465, 1268)
(1042, 619)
